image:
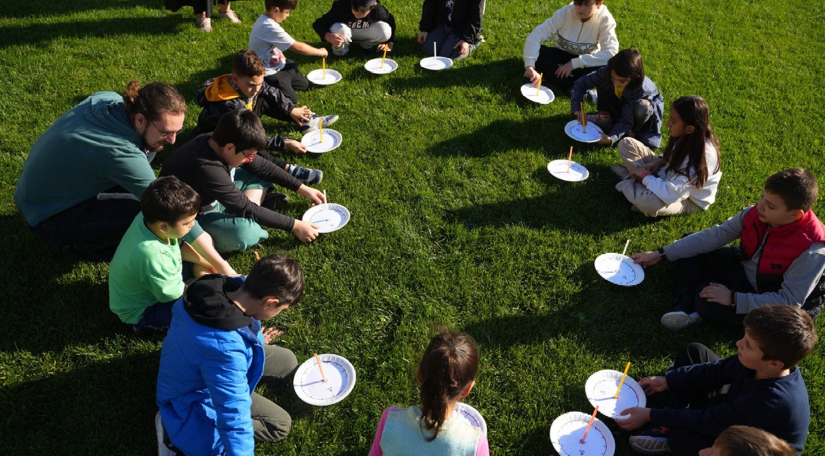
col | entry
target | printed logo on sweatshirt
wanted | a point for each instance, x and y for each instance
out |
(359, 24)
(573, 47)
(275, 59)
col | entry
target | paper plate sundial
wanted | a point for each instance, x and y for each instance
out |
(374, 66)
(576, 172)
(436, 63)
(471, 415)
(314, 143)
(567, 431)
(541, 96)
(619, 269)
(318, 77)
(328, 217)
(601, 387)
(340, 379)
(574, 130)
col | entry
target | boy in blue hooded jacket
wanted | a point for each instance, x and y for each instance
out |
(215, 353)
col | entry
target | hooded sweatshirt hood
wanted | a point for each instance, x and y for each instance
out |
(207, 303)
(221, 90)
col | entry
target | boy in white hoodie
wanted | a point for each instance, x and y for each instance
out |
(584, 38)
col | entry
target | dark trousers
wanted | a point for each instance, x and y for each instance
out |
(550, 59)
(206, 6)
(684, 441)
(445, 39)
(721, 266)
(288, 80)
(609, 103)
(156, 318)
(93, 228)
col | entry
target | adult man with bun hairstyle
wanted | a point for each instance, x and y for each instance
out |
(82, 181)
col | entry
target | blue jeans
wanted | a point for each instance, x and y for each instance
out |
(156, 318)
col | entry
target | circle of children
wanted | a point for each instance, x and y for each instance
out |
(87, 187)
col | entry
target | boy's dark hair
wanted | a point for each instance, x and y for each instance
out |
(281, 4)
(276, 275)
(246, 63)
(784, 333)
(627, 64)
(242, 128)
(168, 199)
(449, 365)
(748, 441)
(796, 186)
(152, 100)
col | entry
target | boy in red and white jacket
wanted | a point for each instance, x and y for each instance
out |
(781, 258)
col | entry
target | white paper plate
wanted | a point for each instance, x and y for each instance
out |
(619, 269)
(471, 415)
(374, 66)
(567, 431)
(327, 217)
(575, 131)
(601, 387)
(577, 172)
(436, 63)
(312, 141)
(311, 389)
(545, 95)
(317, 77)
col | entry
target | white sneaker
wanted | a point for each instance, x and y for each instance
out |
(679, 320)
(160, 432)
(230, 14)
(204, 23)
(645, 444)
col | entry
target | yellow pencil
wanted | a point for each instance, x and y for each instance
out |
(382, 58)
(538, 89)
(324, 67)
(321, 130)
(616, 396)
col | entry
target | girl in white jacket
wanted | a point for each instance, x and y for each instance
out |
(682, 180)
(584, 39)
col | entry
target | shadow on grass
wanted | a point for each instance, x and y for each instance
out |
(45, 32)
(497, 76)
(43, 8)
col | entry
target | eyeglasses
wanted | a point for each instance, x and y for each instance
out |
(166, 134)
(249, 158)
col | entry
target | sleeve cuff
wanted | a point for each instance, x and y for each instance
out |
(577, 63)
(529, 63)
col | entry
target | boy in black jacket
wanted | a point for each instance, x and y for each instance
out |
(453, 26)
(760, 387)
(365, 22)
(245, 88)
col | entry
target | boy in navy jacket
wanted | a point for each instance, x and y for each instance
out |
(760, 387)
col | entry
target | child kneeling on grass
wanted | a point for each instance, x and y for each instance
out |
(748, 441)
(446, 374)
(216, 352)
(761, 387)
(145, 276)
(781, 259)
(628, 101)
(235, 184)
(682, 180)
(365, 22)
(245, 88)
(452, 27)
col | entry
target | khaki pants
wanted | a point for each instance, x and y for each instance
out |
(269, 421)
(634, 156)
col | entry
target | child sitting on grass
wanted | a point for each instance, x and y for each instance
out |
(761, 386)
(145, 276)
(453, 26)
(584, 39)
(365, 22)
(446, 374)
(216, 352)
(628, 101)
(234, 183)
(685, 178)
(245, 88)
(781, 259)
(269, 41)
(748, 441)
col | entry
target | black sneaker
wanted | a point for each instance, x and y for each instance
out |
(274, 200)
(651, 442)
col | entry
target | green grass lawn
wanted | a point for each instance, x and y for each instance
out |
(456, 221)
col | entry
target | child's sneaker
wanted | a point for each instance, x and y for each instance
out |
(679, 319)
(204, 23)
(308, 176)
(274, 200)
(620, 170)
(602, 121)
(591, 96)
(230, 14)
(164, 446)
(651, 442)
(315, 120)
